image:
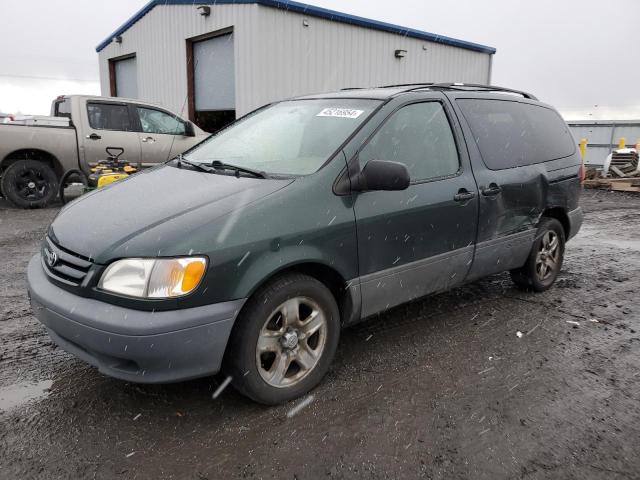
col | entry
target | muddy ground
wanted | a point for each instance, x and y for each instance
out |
(441, 388)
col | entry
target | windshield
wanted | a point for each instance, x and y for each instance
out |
(288, 138)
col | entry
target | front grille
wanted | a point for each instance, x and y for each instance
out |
(64, 265)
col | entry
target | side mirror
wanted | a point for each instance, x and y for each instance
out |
(382, 175)
(189, 131)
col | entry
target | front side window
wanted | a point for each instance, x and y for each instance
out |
(291, 138)
(418, 135)
(109, 116)
(155, 121)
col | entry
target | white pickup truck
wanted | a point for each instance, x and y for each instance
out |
(35, 152)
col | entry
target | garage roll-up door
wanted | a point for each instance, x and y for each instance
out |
(126, 78)
(213, 74)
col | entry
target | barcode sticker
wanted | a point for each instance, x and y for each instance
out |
(340, 113)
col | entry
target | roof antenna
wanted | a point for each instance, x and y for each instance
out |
(176, 118)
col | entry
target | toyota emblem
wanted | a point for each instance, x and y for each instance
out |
(51, 257)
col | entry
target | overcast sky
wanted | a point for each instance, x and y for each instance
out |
(580, 55)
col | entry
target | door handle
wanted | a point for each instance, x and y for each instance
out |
(463, 195)
(94, 136)
(492, 190)
(148, 139)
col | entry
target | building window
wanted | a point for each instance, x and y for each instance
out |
(210, 67)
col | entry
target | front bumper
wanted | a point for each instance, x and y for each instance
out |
(576, 218)
(133, 345)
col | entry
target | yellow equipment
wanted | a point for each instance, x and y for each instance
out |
(110, 170)
(104, 173)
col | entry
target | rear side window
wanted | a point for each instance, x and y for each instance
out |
(513, 134)
(62, 108)
(108, 116)
(418, 135)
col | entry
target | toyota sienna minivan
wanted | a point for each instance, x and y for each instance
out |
(248, 253)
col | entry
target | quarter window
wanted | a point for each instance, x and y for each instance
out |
(514, 134)
(155, 121)
(108, 116)
(418, 135)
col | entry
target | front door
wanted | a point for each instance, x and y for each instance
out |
(419, 240)
(162, 135)
(109, 125)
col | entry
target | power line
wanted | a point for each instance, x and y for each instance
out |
(8, 75)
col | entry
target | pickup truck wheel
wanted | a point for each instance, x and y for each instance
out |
(284, 340)
(29, 184)
(545, 259)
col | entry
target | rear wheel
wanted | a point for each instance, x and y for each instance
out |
(284, 340)
(545, 259)
(29, 184)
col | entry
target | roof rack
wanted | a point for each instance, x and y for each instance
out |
(399, 85)
(478, 87)
(466, 87)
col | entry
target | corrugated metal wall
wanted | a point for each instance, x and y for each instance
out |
(603, 136)
(159, 42)
(277, 57)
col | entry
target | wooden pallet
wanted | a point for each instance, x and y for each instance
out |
(631, 184)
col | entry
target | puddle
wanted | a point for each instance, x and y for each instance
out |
(20, 393)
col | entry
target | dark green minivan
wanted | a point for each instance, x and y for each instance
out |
(249, 253)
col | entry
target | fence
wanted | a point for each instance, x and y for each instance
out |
(604, 136)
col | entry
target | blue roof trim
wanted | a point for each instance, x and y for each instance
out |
(311, 11)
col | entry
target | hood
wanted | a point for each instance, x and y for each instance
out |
(162, 199)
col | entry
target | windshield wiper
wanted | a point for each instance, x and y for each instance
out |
(221, 165)
(197, 166)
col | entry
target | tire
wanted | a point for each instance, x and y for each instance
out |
(280, 368)
(545, 259)
(65, 180)
(29, 184)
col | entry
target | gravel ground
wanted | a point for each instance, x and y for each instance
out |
(440, 388)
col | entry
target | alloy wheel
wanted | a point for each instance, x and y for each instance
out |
(291, 342)
(548, 255)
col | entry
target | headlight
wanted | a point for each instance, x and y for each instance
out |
(154, 278)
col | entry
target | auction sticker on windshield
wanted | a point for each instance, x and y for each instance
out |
(340, 112)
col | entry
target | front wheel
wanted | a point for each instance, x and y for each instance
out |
(284, 340)
(545, 259)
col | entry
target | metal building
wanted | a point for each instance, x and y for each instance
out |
(603, 136)
(217, 60)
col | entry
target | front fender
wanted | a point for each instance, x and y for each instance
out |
(276, 260)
